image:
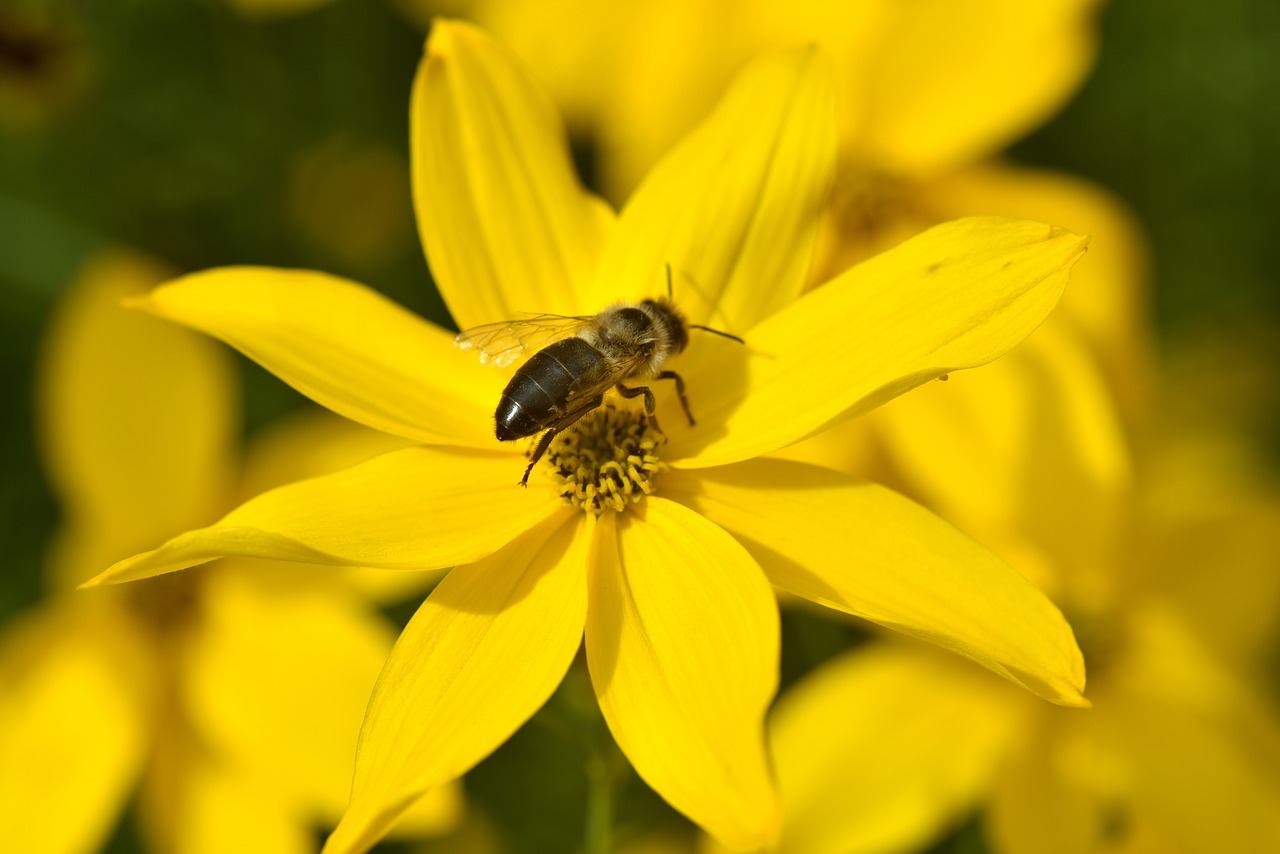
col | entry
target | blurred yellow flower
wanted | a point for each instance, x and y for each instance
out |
(1171, 591)
(923, 87)
(680, 622)
(348, 197)
(229, 699)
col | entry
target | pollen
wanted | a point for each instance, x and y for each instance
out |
(606, 461)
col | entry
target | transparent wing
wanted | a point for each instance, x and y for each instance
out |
(502, 343)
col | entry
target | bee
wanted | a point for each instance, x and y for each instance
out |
(581, 358)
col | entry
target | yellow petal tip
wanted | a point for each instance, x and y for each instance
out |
(1069, 694)
(443, 38)
(1074, 700)
(102, 579)
(1081, 240)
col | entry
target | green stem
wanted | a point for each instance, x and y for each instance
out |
(599, 823)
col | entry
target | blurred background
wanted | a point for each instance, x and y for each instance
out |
(208, 133)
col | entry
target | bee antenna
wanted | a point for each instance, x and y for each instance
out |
(670, 296)
(728, 335)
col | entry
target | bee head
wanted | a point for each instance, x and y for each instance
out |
(665, 313)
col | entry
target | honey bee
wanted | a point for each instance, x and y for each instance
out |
(578, 359)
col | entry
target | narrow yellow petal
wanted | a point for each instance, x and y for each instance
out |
(957, 296)
(1109, 297)
(884, 748)
(860, 548)
(439, 812)
(418, 508)
(277, 677)
(1235, 609)
(946, 83)
(734, 209)
(482, 654)
(74, 726)
(506, 224)
(682, 641)
(307, 443)
(196, 802)
(315, 442)
(344, 346)
(137, 418)
(1019, 447)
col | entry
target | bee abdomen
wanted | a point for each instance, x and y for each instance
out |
(536, 396)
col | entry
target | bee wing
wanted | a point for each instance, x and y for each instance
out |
(503, 343)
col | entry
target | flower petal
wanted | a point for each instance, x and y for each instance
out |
(307, 443)
(482, 654)
(1039, 433)
(885, 747)
(682, 642)
(944, 83)
(278, 677)
(1179, 753)
(1043, 804)
(344, 346)
(74, 725)
(1228, 802)
(957, 296)
(860, 548)
(1217, 788)
(506, 224)
(195, 802)
(1170, 689)
(1109, 298)
(316, 442)
(137, 418)
(734, 209)
(1235, 609)
(418, 508)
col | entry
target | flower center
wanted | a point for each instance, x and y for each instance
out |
(865, 200)
(1100, 636)
(608, 459)
(166, 603)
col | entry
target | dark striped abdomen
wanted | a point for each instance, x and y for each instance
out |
(536, 396)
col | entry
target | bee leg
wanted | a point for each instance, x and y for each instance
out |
(545, 442)
(649, 402)
(684, 401)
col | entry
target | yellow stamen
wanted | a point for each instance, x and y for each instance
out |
(607, 460)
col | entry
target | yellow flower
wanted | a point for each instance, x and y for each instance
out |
(680, 622)
(232, 693)
(1172, 592)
